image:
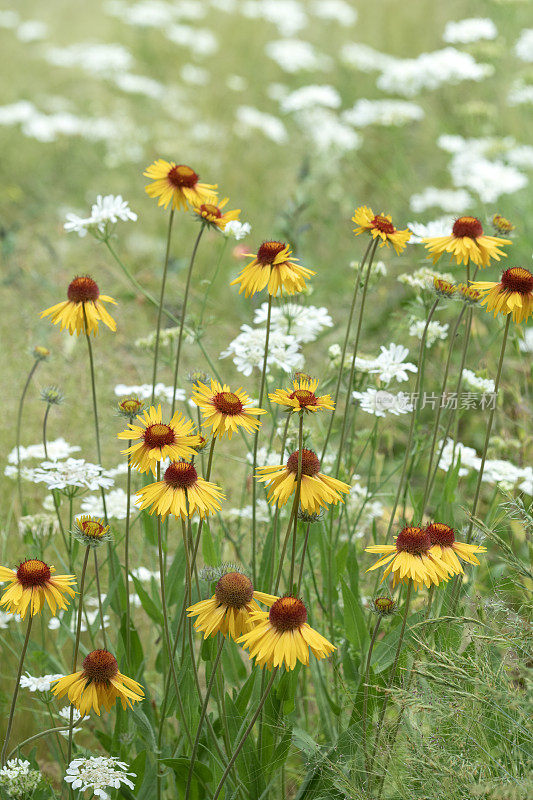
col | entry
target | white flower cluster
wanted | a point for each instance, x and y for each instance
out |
(423, 278)
(98, 773)
(108, 209)
(451, 200)
(18, 778)
(47, 127)
(95, 57)
(89, 618)
(65, 714)
(310, 97)
(520, 93)
(38, 526)
(249, 119)
(38, 684)
(239, 230)
(359, 505)
(524, 46)
(409, 76)
(115, 500)
(248, 349)
(381, 403)
(6, 618)
(74, 472)
(474, 381)
(435, 331)
(466, 31)
(56, 449)
(144, 392)
(436, 227)
(498, 471)
(246, 512)
(382, 112)
(144, 574)
(305, 323)
(335, 10)
(295, 55)
(287, 15)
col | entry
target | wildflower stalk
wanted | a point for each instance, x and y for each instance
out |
(302, 557)
(392, 675)
(36, 736)
(212, 281)
(55, 492)
(19, 425)
(127, 559)
(365, 699)
(256, 440)
(76, 648)
(183, 315)
(16, 690)
(418, 389)
(297, 497)
(275, 542)
(161, 300)
(245, 734)
(99, 594)
(202, 715)
(345, 345)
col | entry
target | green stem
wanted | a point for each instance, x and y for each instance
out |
(16, 689)
(183, 315)
(54, 491)
(297, 498)
(161, 300)
(99, 593)
(127, 561)
(276, 512)
(256, 442)
(365, 699)
(76, 646)
(19, 425)
(38, 736)
(302, 557)
(212, 281)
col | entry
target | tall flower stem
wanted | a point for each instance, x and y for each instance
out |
(54, 491)
(245, 734)
(345, 345)
(256, 441)
(297, 498)
(212, 281)
(77, 646)
(439, 410)
(414, 415)
(161, 301)
(354, 356)
(19, 425)
(184, 314)
(202, 715)
(99, 593)
(302, 557)
(275, 541)
(392, 676)
(16, 690)
(127, 560)
(365, 698)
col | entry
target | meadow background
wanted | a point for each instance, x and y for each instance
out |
(266, 99)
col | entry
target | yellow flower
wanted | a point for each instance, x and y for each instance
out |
(444, 288)
(212, 215)
(467, 243)
(445, 546)
(156, 440)
(84, 308)
(410, 557)
(316, 489)
(181, 492)
(90, 531)
(178, 184)
(229, 610)
(31, 585)
(274, 268)
(502, 225)
(303, 397)
(225, 411)
(380, 227)
(283, 636)
(512, 295)
(98, 684)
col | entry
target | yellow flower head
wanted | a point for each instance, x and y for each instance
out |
(380, 227)
(283, 636)
(155, 440)
(213, 216)
(31, 585)
(273, 267)
(303, 396)
(177, 184)
(316, 489)
(84, 308)
(512, 295)
(467, 243)
(90, 531)
(467, 294)
(444, 288)
(98, 684)
(225, 411)
(229, 610)
(445, 546)
(181, 492)
(502, 225)
(411, 557)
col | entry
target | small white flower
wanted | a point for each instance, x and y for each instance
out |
(305, 323)
(382, 112)
(526, 344)
(116, 502)
(380, 403)
(469, 457)
(76, 716)
(239, 230)
(144, 392)
(74, 472)
(144, 574)
(38, 684)
(476, 382)
(248, 350)
(56, 449)
(524, 46)
(450, 200)
(442, 226)
(98, 773)
(469, 30)
(435, 331)
(391, 365)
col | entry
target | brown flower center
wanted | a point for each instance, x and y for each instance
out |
(234, 589)
(442, 534)
(287, 613)
(413, 540)
(158, 435)
(209, 210)
(304, 397)
(310, 462)
(227, 403)
(33, 573)
(469, 227)
(382, 224)
(182, 176)
(131, 406)
(180, 475)
(517, 279)
(100, 666)
(83, 289)
(268, 251)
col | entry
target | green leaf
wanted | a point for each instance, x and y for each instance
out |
(180, 768)
(153, 611)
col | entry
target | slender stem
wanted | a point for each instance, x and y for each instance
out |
(365, 698)
(212, 281)
(45, 421)
(354, 356)
(418, 389)
(256, 441)
(202, 715)
(302, 557)
(99, 593)
(77, 645)
(161, 300)
(345, 345)
(95, 408)
(297, 498)
(127, 561)
(54, 491)
(276, 513)
(16, 689)
(184, 314)
(294, 511)
(245, 735)
(19, 425)
(392, 675)
(38, 736)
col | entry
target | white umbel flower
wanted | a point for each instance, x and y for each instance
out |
(38, 684)
(98, 773)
